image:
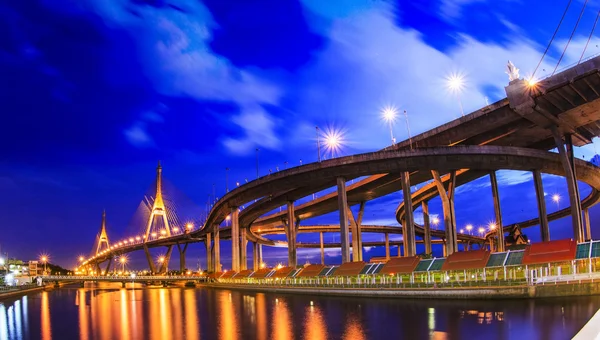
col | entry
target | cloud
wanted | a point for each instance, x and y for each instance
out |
(259, 132)
(451, 10)
(138, 136)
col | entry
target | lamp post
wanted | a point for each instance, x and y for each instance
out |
(389, 115)
(318, 145)
(256, 162)
(226, 179)
(556, 199)
(123, 260)
(44, 260)
(469, 227)
(456, 83)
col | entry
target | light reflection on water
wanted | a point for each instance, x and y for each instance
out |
(110, 312)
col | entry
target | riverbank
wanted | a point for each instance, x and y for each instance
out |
(18, 292)
(487, 293)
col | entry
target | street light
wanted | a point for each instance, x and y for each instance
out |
(492, 226)
(389, 114)
(189, 226)
(456, 83)
(556, 199)
(334, 140)
(80, 258)
(44, 259)
(123, 260)
(435, 221)
(481, 230)
(318, 146)
(469, 227)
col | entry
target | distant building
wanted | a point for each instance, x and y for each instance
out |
(35, 269)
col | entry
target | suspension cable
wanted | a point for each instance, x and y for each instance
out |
(589, 38)
(571, 37)
(552, 39)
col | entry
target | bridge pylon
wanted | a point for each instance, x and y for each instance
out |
(102, 242)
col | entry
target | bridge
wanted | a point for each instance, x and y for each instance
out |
(145, 279)
(515, 133)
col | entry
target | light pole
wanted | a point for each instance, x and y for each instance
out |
(44, 260)
(318, 145)
(469, 227)
(256, 162)
(226, 179)
(456, 83)
(408, 130)
(389, 115)
(556, 199)
(123, 260)
(161, 260)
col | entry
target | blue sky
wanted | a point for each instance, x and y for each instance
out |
(94, 92)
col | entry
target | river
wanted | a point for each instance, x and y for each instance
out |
(109, 312)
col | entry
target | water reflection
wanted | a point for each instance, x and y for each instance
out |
(187, 313)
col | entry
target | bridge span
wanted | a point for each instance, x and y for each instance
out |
(515, 133)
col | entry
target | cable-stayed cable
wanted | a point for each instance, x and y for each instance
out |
(552, 39)
(590, 37)
(571, 37)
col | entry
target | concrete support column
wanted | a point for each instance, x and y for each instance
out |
(243, 249)
(541, 203)
(571, 186)
(343, 209)
(290, 231)
(107, 267)
(497, 213)
(571, 156)
(410, 245)
(426, 227)
(150, 260)
(209, 252)
(387, 246)
(235, 239)
(322, 249)
(255, 263)
(357, 251)
(216, 250)
(165, 264)
(447, 198)
(588, 227)
(182, 251)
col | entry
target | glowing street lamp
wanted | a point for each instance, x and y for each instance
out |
(334, 140)
(175, 229)
(556, 199)
(492, 226)
(44, 260)
(455, 83)
(481, 230)
(435, 221)
(189, 226)
(153, 234)
(123, 260)
(163, 232)
(469, 227)
(80, 258)
(389, 114)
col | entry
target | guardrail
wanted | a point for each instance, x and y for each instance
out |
(119, 278)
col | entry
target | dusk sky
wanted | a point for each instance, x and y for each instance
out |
(94, 92)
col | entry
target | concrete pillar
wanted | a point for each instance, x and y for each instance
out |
(255, 263)
(322, 249)
(497, 213)
(260, 254)
(165, 264)
(541, 203)
(150, 260)
(343, 209)
(571, 156)
(354, 229)
(243, 249)
(426, 227)
(410, 245)
(447, 199)
(290, 230)
(235, 239)
(361, 212)
(403, 224)
(588, 227)
(107, 267)
(216, 250)
(387, 246)
(182, 251)
(444, 248)
(209, 252)
(571, 186)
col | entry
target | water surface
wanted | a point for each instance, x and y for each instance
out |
(109, 312)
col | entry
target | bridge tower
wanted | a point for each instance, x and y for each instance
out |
(158, 209)
(158, 212)
(102, 237)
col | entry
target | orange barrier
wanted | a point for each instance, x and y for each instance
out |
(244, 274)
(551, 251)
(400, 265)
(460, 260)
(349, 269)
(262, 273)
(228, 274)
(312, 270)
